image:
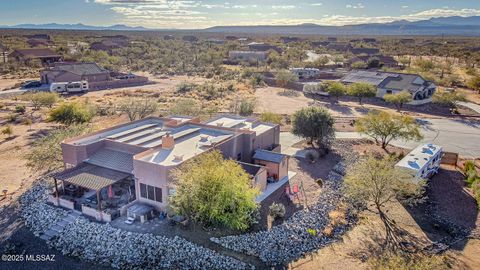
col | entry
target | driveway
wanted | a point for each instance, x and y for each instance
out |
(470, 105)
(454, 135)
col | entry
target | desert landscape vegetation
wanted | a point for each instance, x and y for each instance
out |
(346, 216)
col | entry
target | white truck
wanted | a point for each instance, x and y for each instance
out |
(69, 87)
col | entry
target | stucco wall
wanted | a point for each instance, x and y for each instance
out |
(76, 154)
(153, 175)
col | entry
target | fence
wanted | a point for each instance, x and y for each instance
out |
(119, 83)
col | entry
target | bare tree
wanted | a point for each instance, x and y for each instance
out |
(138, 108)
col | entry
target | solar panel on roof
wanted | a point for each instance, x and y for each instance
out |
(138, 135)
(149, 138)
(184, 133)
(129, 131)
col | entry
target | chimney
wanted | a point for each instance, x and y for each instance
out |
(168, 142)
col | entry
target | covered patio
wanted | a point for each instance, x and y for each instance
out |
(96, 191)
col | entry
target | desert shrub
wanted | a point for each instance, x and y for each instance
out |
(476, 190)
(185, 87)
(41, 99)
(312, 155)
(20, 108)
(71, 113)
(289, 93)
(277, 210)
(186, 107)
(388, 261)
(12, 117)
(312, 232)
(271, 117)
(8, 131)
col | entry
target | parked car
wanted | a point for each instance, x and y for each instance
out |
(130, 220)
(31, 84)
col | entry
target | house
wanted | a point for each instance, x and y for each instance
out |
(332, 39)
(385, 61)
(247, 55)
(74, 72)
(422, 162)
(97, 77)
(190, 38)
(369, 40)
(33, 42)
(407, 41)
(339, 47)
(106, 46)
(44, 55)
(391, 83)
(215, 41)
(305, 73)
(231, 38)
(287, 40)
(168, 37)
(260, 46)
(364, 51)
(320, 43)
(132, 162)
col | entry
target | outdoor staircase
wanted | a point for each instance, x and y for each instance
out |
(58, 227)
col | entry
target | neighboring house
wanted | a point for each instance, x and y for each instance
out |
(422, 162)
(407, 41)
(305, 73)
(391, 83)
(190, 38)
(105, 45)
(385, 61)
(33, 42)
(231, 38)
(365, 51)
(260, 46)
(247, 55)
(168, 37)
(320, 43)
(140, 155)
(369, 40)
(74, 72)
(332, 39)
(287, 40)
(339, 47)
(44, 55)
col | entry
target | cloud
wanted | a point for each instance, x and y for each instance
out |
(316, 4)
(284, 7)
(357, 6)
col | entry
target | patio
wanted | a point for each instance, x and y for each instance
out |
(98, 192)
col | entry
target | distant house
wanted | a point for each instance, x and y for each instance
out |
(74, 72)
(385, 61)
(105, 45)
(367, 51)
(231, 38)
(407, 41)
(391, 83)
(260, 46)
(287, 40)
(44, 55)
(332, 39)
(33, 42)
(168, 37)
(369, 40)
(422, 162)
(320, 43)
(339, 47)
(190, 38)
(247, 56)
(305, 73)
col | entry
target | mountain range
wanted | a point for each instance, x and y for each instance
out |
(455, 25)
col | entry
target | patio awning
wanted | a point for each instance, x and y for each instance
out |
(91, 176)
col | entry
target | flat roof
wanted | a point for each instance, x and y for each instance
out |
(241, 123)
(187, 146)
(419, 157)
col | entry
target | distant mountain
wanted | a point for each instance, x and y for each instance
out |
(465, 26)
(78, 26)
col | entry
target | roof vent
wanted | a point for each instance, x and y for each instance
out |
(204, 138)
(220, 124)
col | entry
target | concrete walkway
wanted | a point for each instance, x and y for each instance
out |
(59, 226)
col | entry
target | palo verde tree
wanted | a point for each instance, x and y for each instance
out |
(398, 99)
(215, 192)
(377, 182)
(449, 99)
(314, 124)
(384, 127)
(361, 91)
(138, 108)
(69, 113)
(284, 78)
(336, 89)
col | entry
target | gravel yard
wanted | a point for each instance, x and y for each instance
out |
(302, 232)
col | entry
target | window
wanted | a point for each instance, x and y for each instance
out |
(143, 190)
(389, 91)
(151, 192)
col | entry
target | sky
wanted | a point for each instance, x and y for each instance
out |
(194, 14)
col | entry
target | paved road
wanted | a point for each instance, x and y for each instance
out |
(454, 135)
(471, 105)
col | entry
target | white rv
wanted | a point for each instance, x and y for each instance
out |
(423, 161)
(69, 87)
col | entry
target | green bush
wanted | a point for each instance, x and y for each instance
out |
(271, 117)
(476, 190)
(20, 108)
(71, 113)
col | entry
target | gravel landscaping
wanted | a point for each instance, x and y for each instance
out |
(101, 243)
(292, 239)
